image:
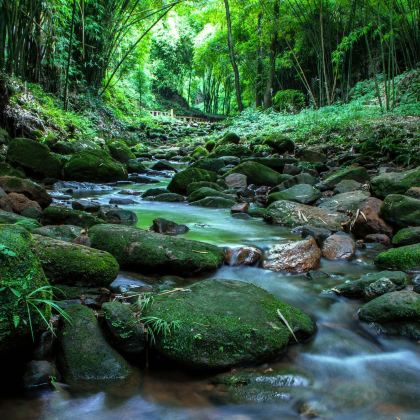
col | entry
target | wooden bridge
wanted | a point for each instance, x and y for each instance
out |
(186, 118)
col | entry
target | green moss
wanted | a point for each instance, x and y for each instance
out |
(257, 174)
(143, 250)
(35, 157)
(120, 151)
(402, 258)
(7, 170)
(215, 202)
(20, 270)
(401, 210)
(67, 263)
(224, 323)
(57, 215)
(194, 186)
(12, 218)
(395, 182)
(280, 143)
(182, 179)
(204, 192)
(407, 236)
(230, 138)
(209, 164)
(356, 173)
(62, 232)
(94, 166)
(85, 354)
(237, 150)
(210, 145)
(301, 193)
(199, 152)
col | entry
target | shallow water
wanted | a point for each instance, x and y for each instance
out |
(346, 372)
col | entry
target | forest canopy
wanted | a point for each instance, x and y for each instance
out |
(216, 55)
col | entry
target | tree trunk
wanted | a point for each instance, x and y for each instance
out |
(260, 67)
(233, 59)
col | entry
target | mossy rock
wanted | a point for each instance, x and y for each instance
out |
(182, 179)
(291, 214)
(21, 271)
(7, 218)
(34, 157)
(197, 185)
(120, 151)
(210, 145)
(356, 173)
(280, 143)
(225, 323)
(204, 192)
(301, 193)
(57, 215)
(403, 258)
(395, 306)
(237, 150)
(214, 202)
(135, 166)
(395, 182)
(72, 264)
(257, 174)
(209, 164)
(8, 170)
(229, 138)
(169, 198)
(153, 192)
(344, 202)
(61, 232)
(85, 355)
(407, 236)
(276, 163)
(360, 288)
(401, 210)
(199, 152)
(127, 333)
(139, 249)
(30, 189)
(94, 166)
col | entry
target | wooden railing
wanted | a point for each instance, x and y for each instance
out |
(171, 114)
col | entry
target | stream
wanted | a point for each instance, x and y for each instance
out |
(345, 372)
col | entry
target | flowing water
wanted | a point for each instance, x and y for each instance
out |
(345, 372)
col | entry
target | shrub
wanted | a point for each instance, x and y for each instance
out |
(289, 100)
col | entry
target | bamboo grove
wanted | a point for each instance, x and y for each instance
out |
(227, 54)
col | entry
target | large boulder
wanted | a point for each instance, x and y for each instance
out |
(395, 313)
(372, 285)
(293, 257)
(120, 151)
(258, 174)
(237, 150)
(182, 179)
(194, 186)
(288, 213)
(94, 166)
(300, 193)
(66, 233)
(58, 215)
(403, 258)
(344, 202)
(395, 182)
(20, 274)
(127, 334)
(19, 203)
(72, 264)
(32, 190)
(8, 170)
(34, 157)
(280, 143)
(7, 218)
(356, 173)
(215, 202)
(339, 247)
(143, 250)
(222, 323)
(85, 355)
(208, 192)
(401, 210)
(407, 236)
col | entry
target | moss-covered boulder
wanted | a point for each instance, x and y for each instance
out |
(222, 323)
(257, 174)
(199, 152)
(215, 202)
(135, 166)
(61, 232)
(58, 215)
(356, 173)
(238, 150)
(197, 185)
(120, 151)
(143, 250)
(301, 193)
(401, 210)
(8, 170)
(407, 236)
(373, 284)
(344, 202)
(229, 138)
(280, 143)
(30, 189)
(395, 182)
(20, 273)
(85, 355)
(126, 332)
(204, 192)
(153, 192)
(403, 258)
(169, 198)
(210, 164)
(182, 179)
(34, 157)
(72, 264)
(94, 166)
(7, 218)
(291, 214)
